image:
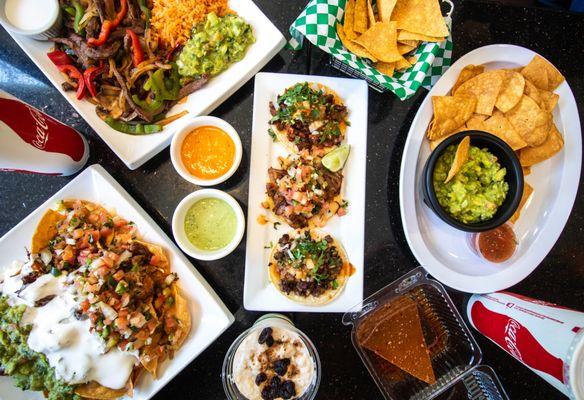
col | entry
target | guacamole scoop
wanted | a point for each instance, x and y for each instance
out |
(476, 191)
(215, 44)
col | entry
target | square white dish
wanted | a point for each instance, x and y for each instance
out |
(258, 293)
(209, 315)
(443, 250)
(136, 150)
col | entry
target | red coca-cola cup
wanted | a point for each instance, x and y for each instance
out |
(547, 338)
(32, 141)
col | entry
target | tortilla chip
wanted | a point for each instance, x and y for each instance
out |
(349, 21)
(500, 126)
(530, 121)
(360, 22)
(553, 144)
(476, 121)
(526, 171)
(468, 72)
(459, 159)
(434, 143)
(450, 113)
(93, 390)
(385, 68)
(412, 43)
(371, 14)
(545, 100)
(486, 88)
(511, 92)
(353, 47)
(404, 48)
(542, 74)
(406, 35)
(380, 40)
(420, 16)
(45, 230)
(384, 9)
(527, 192)
(402, 64)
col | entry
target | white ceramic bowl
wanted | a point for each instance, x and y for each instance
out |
(50, 29)
(178, 224)
(181, 134)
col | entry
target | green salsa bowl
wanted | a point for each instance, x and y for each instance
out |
(507, 159)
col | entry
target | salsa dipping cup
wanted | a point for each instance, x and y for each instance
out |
(183, 131)
(49, 12)
(505, 156)
(178, 224)
(273, 321)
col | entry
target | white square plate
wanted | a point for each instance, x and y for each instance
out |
(443, 250)
(209, 315)
(258, 293)
(136, 150)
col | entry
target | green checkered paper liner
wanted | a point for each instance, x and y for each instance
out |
(317, 23)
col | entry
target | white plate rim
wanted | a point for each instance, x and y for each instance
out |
(560, 211)
(97, 169)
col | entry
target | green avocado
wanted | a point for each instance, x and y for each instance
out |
(476, 191)
(215, 44)
(29, 370)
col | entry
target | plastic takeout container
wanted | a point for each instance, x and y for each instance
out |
(454, 353)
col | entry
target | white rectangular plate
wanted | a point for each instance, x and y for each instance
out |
(258, 293)
(443, 250)
(209, 315)
(136, 150)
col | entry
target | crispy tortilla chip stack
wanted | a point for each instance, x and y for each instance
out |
(387, 33)
(515, 105)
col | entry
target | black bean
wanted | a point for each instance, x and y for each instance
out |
(281, 366)
(261, 377)
(264, 334)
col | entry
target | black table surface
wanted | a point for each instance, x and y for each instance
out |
(158, 188)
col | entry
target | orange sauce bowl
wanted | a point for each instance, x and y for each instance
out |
(206, 151)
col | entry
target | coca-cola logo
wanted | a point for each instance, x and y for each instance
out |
(511, 330)
(41, 131)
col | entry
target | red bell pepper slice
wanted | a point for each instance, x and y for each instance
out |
(74, 73)
(89, 77)
(108, 26)
(59, 57)
(137, 52)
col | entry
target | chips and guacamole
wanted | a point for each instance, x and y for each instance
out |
(384, 33)
(515, 105)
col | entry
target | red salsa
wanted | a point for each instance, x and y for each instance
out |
(496, 245)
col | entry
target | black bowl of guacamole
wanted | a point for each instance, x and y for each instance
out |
(501, 183)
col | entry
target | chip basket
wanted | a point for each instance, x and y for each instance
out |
(446, 6)
(454, 353)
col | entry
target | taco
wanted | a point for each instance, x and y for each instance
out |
(118, 291)
(309, 116)
(309, 267)
(303, 193)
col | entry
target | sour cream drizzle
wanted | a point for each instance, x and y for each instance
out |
(78, 355)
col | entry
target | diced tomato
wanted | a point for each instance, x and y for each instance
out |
(170, 324)
(84, 305)
(93, 218)
(121, 322)
(119, 275)
(68, 254)
(341, 211)
(143, 334)
(125, 299)
(155, 260)
(105, 231)
(119, 222)
(77, 233)
(159, 302)
(102, 271)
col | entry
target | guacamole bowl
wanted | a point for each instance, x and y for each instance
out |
(507, 159)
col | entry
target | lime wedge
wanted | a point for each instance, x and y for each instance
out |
(335, 160)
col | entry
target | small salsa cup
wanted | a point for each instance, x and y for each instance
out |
(187, 127)
(506, 157)
(178, 225)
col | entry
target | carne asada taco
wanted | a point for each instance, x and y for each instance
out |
(309, 116)
(308, 266)
(303, 193)
(101, 306)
